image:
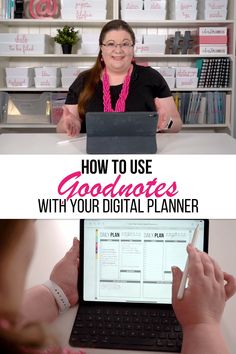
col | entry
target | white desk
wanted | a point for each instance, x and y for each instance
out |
(58, 235)
(181, 143)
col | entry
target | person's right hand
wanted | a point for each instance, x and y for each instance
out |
(69, 123)
(204, 298)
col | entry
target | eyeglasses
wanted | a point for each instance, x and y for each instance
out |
(110, 46)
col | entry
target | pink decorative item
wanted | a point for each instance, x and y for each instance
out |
(43, 8)
(120, 104)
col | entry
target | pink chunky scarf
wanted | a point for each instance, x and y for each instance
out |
(120, 104)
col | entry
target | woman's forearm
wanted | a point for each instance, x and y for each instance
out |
(38, 305)
(203, 339)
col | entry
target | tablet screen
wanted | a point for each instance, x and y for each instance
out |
(130, 260)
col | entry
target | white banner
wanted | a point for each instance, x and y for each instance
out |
(120, 186)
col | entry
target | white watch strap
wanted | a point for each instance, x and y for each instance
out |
(59, 295)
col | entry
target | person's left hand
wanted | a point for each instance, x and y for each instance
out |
(65, 273)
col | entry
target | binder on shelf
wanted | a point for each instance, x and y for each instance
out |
(203, 107)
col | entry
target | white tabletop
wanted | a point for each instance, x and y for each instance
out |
(181, 143)
(58, 235)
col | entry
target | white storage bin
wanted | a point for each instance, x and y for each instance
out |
(90, 38)
(72, 71)
(213, 49)
(186, 82)
(155, 5)
(154, 39)
(185, 15)
(186, 72)
(131, 4)
(89, 48)
(216, 5)
(150, 49)
(47, 71)
(15, 43)
(18, 81)
(45, 82)
(215, 15)
(170, 81)
(166, 71)
(89, 14)
(66, 81)
(19, 71)
(129, 15)
(158, 15)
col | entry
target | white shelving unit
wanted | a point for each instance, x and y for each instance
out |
(168, 27)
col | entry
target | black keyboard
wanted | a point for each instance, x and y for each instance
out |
(126, 328)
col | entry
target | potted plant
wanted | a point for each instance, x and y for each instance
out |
(67, 37)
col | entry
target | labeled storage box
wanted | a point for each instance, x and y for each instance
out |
(69, 74)
(21, 77)
(83, 10)
(89, 48)
(66, 81)
(166, 71)
(184, 71)
(47, 82)
(212, 49)
(19, 44)
(70, 71)
(186, 82)
(19, 81)
(19, 71)
(170, 81)
(47, 71)
(183, 10)
(150, 48)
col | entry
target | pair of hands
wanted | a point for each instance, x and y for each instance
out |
(204, 299)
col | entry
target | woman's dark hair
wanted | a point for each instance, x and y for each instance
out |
(93, 75)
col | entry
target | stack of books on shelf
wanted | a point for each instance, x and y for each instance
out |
(7, 9)
(214, 72)
(132, 10)
(183, 10)
(213, 9)
(203, 107)
(213, 40)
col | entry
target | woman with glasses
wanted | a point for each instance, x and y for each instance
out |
(117, 83)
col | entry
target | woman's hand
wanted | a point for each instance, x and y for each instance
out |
(65, 273)
(167, 110)
(69, 122)
(208, 289)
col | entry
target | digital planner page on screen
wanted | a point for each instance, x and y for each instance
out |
(131, 260)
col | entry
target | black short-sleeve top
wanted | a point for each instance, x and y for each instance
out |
(145, 85)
